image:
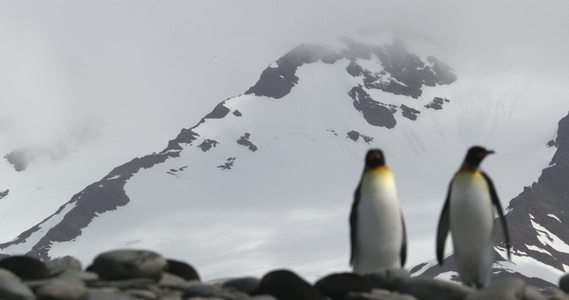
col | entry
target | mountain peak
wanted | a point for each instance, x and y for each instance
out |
(401, 73)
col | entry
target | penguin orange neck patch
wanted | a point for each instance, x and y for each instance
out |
(380, 168)
(468, 169)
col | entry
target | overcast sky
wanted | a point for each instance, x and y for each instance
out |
(138, 71)
(164, 65)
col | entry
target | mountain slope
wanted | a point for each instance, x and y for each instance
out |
(266, 179)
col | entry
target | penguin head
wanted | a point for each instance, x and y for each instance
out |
(374, 158)
(475, 155)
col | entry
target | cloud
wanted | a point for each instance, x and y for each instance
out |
(168, 64)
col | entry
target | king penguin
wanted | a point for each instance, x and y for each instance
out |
(468, 214)
(377, 230)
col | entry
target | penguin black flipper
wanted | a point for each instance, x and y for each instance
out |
(443, 228)
(353, 229)
(403, 253)
(498, 206)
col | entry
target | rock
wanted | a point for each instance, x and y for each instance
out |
(379, 295)
(182, 270)
(554, 294)
(532, 293)
(263, 297)
(129, 264)
(63, 264)
(171, 280)
(14, 290)
(25, 267)
(8, 275)
(211, 291)
(564, 283)
(389, 279)
(337, 286)
(62, 290)
(142, 293)
(511, 288)
(108, 295)
(246, 284)
(286, 285)
(425, 288)
(80, 275)
(146, 278)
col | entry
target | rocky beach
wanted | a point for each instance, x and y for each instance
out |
(140, 274)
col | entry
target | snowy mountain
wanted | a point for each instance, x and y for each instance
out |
(266, 179)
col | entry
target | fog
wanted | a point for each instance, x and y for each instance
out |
(114, 68)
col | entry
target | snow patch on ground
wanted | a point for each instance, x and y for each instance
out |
(547, 238)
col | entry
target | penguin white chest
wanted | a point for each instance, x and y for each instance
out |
(471, 214)
(471, 225)
(379, 226)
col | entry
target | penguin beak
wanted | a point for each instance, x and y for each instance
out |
(483, 154)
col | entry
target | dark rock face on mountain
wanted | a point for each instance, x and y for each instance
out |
(403, 73)
(4, 193)
(536, 220)
(228, 164)
(400, 72)
(375, 113)
(537, 215)
(276, 82)
(409, 113)
(105, 195)
(244, 141)
(207, 144)
(437, 103)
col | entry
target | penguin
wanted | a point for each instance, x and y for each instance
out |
(377, 229)
(468, 213)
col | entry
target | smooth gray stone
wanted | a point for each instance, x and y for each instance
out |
(388, 279)
(25, 267)
(262, 297)
(426, 288)
(129, 264)
(245, 284)
(287, 285)
(533, 293)
(554, 294)
(63, 264)
(336, 286)
(379, 296)
(564, 283)
(506, 289)
(14, 290)
(171, 280)
(35, 285)
(182, 269)
(106, 295)
(211, 291)
(79, 275)
(140, 293)
(62, 289)
(8, 275)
